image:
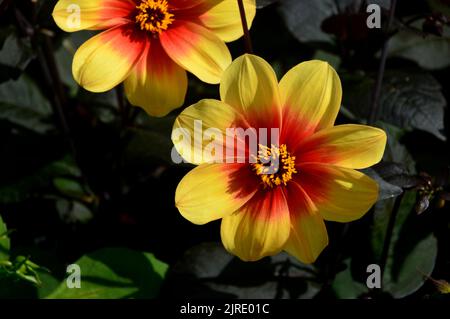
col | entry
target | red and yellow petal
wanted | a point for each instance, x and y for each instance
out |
(223, 17)
(202, 127)
(107, 59)
(197, 50)
(351, 146)
(311, 96)
(260, 228)
(213, 191)
(340, 194)
(186, 5)
(75, 15)
(156, 83)
(250, 86)
(308, 235)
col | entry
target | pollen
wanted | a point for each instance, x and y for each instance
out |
(154, 16)
(275, 166)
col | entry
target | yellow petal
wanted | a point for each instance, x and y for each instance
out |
(197, 50)
(250, 85)
(308, 233)
(340, 194)
(311, 95)
(223, 17)
(351, 146)
(75, 15)
(156, 83)
(107, 59)
(211, 191)
(190, 130)
(260, 228)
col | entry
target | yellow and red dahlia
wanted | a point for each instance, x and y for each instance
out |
(148, 44)
(264, 213)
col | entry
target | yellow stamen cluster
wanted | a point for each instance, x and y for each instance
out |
(281, 168)
(154, 16)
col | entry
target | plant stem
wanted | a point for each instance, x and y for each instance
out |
(60, 96)
(338, 7)
(50, 71)
(389, 231)
(47, 47)
(379, 82)
(248, 41)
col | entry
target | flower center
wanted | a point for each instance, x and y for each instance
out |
(154, 15)
(275, 166)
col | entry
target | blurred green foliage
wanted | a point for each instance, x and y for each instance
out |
(71, 191)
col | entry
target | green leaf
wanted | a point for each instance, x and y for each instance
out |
(64, 57)
(333, 59)
(304, 18)
(431, 52)
(345, 287)
(73, 211)
(413, 101)
(381, 215)
(48, 284)
(413, 248)
(264, 3)
(69, 187)
(147, 145)
(23, 104)
(440, 6)
(395, 151)
(15, 52)
(151, 141)
(27, 186)
(410, 99)
(4, 241)
(382, 211)
(13, 286)
(410, 275)
(386, 190)
(396, 175)
(208, 270)
(113, 273)
(25, 269)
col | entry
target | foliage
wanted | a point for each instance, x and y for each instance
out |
(83, 172)
(108, 277)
